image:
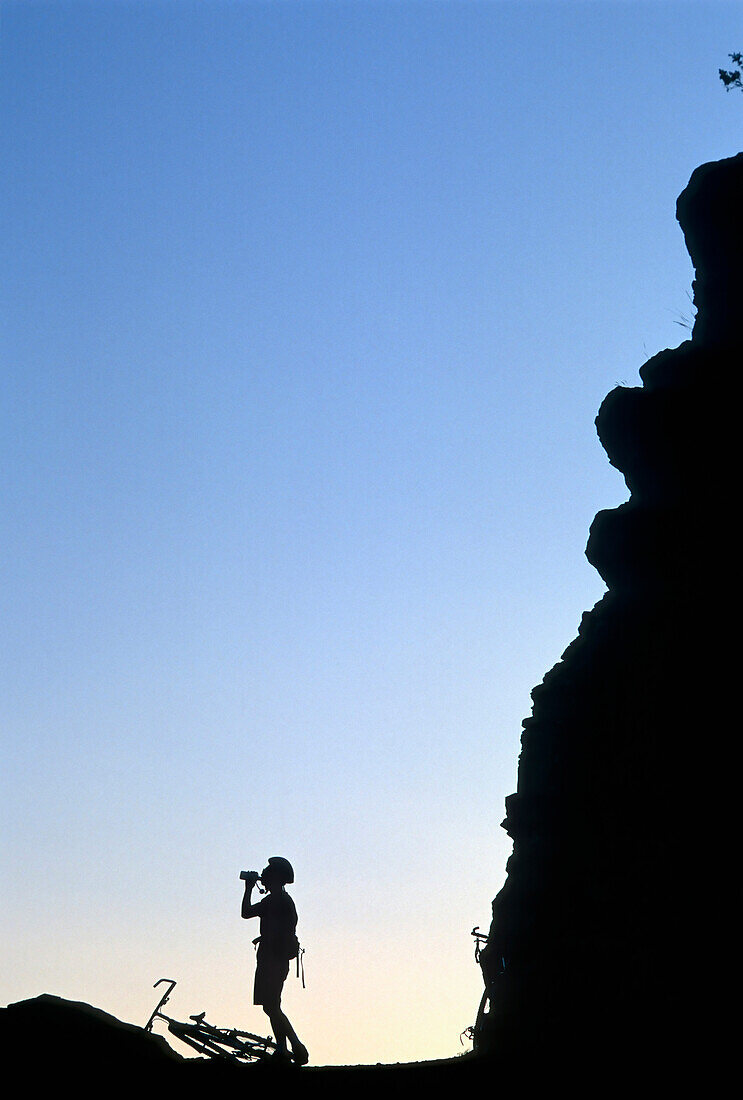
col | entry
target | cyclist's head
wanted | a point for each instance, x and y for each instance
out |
(278, 870)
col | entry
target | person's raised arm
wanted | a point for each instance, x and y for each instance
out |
(248, 909)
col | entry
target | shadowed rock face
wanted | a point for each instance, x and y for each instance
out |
(619, 915)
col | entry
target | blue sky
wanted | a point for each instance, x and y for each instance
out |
(308, 312)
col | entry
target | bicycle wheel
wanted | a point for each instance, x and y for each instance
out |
(197, 1038)
(255, 1046)
(240, 1044)
(221, 1043)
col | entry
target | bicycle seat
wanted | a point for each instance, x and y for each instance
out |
(198, 1019)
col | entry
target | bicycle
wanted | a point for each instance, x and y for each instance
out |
(492, 970)
(235, 1046)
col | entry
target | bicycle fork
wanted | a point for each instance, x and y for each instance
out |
(163, 1001)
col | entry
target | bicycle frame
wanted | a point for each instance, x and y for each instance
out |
(216, 1042)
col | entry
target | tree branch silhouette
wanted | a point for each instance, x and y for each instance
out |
(731, 78)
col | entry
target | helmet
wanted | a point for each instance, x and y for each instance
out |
(282, 868)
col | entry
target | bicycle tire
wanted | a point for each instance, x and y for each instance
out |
(253, 1042)
(244, 1042)
(208, 1039)
(192, 1036)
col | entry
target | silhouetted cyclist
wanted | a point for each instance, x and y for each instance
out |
(277, 945)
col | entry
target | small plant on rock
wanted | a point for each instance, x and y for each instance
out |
(731, 78)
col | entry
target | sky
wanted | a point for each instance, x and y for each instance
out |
(308, 310)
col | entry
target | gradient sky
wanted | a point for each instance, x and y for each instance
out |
(308, 309)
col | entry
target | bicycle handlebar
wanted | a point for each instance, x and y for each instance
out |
(163, 1000)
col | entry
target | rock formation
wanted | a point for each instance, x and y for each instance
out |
(617, 916)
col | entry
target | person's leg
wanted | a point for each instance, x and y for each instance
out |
(299, 1050)
(283, 1031)
(291, 1034)
(278, 1024)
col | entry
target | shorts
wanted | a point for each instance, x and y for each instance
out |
(270, 974)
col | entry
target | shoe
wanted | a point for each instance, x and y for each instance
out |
(300, 1055)
(280, 1058)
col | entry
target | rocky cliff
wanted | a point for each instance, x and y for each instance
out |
(618, 918)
